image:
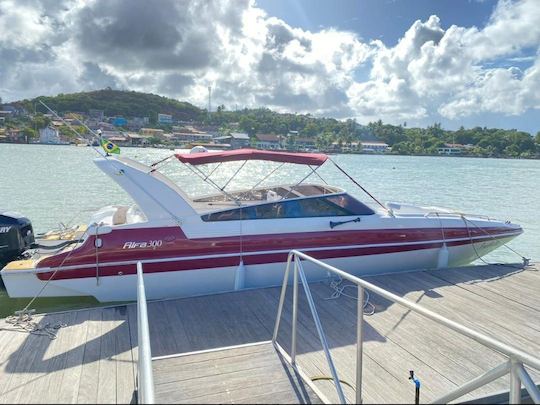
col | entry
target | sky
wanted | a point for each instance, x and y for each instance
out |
(457, 62)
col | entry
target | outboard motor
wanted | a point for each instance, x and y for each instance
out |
(16, 236)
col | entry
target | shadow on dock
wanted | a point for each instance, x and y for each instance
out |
(95, 356)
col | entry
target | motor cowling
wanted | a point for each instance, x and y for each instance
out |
(16, 235)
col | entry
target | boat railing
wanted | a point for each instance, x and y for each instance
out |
(457, 215)
(145, 378)
(514, 364)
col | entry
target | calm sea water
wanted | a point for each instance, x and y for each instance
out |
(60, 184)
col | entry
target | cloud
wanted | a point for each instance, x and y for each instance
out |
(179, 48)
(434, 72)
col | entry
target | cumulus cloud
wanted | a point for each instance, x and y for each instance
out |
(434, 71)
(179, 48)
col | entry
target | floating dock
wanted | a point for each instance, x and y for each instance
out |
(218, 348)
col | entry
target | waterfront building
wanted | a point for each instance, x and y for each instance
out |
(49, 135)
(268, 141)
(165, 119)
(305, 143)
(118, 139)
(237, 140)
(375, 147)
(138, 139)
(14, 110)
(189, 137)
(119, 122)
(152, 132)
(451, 149)
(136, 123)
(15, 135)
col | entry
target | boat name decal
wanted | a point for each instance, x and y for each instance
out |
(141, 245)
(4, 229)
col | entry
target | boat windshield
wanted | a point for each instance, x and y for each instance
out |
(322, 206)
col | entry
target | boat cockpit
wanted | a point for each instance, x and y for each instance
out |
(298, 201)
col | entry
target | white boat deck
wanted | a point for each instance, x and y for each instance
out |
(94, 358)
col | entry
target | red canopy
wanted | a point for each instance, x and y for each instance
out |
(202, 158)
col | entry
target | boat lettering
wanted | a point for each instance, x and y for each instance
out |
(150, 244)
(4, 229)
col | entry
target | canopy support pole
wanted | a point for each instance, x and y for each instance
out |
(195, 170)
(301, 181)
(265, 177)
(233, 176)
(362, 188)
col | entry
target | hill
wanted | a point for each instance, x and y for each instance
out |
(479, 141)
(116, 103)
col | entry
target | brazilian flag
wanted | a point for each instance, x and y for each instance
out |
(109, 147)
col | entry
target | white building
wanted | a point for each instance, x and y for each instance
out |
(374, 147)
(453, 149)
(164, 119)
(267, 141)
(49, 135)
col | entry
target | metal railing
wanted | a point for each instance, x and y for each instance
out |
(145, 377)
(513, 366)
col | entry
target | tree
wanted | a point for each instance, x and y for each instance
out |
(29, 133)
(248, 125)
(40, 121)
(324, 140)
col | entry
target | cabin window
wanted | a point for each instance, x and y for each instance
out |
(337, 205)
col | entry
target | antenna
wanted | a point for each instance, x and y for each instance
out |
(209, 100)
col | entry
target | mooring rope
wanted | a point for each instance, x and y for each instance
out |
(23, 321)
(338, 290)
(526, 261)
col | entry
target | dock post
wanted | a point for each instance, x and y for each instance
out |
(295, 311)
(359, 343)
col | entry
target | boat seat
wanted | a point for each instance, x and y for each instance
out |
(119, 216)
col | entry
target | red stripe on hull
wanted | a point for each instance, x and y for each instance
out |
(229, 261)
(175, 244)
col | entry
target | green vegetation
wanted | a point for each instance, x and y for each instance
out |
(326, 131)
(115, 103)
(489, 142)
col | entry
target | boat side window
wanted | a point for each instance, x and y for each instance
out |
(339, 205)
(352, 205)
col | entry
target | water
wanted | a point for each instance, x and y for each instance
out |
(53, 184)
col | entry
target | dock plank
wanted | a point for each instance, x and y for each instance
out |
(231, 376)
(107, 374)
(95, 358)
(24, 372)
(125, 366)
(69, 385)
(51, 365)
(458, 305)
(11, 344)
(89, 378)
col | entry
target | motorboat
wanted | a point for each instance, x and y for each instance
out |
(238, 238)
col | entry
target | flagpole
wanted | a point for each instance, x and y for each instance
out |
(74, 130)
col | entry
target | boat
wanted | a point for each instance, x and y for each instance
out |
(238, 238)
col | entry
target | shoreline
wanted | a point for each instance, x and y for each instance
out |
(315, 151)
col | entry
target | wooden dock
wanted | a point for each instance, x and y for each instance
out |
(94, 357)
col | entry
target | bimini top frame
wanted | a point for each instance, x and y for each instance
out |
(312, 160)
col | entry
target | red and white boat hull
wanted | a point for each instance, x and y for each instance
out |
(180, 266)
